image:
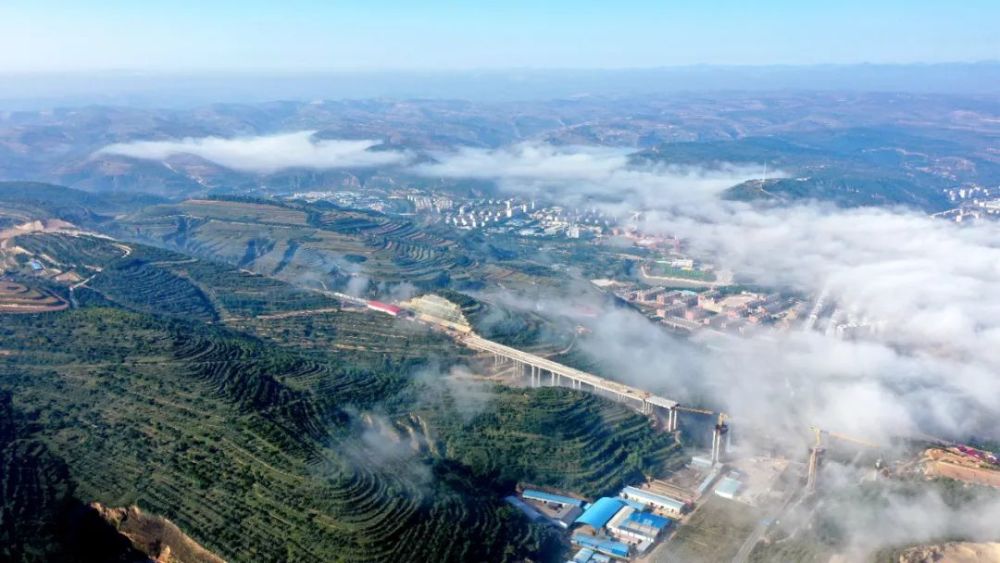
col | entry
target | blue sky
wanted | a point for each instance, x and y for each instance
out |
(301, 35)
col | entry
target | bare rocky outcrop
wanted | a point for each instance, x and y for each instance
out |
(155, 536)
(952, 552)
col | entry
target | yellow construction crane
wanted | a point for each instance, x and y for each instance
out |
(816, 452)
(694, 409)
(852, 439)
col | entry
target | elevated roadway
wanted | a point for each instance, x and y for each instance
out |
(537, 367)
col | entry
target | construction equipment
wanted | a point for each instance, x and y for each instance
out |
(686, 408)
(817, 450)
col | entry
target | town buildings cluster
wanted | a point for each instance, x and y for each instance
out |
(973, 203)
(723, 311)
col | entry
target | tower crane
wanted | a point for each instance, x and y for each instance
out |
(686, 408)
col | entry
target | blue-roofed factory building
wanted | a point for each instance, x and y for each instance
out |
(649, 519)
(635, 526)
(600, 513)
(610, 527)
(622, 522)
(587, 555)
(600, 545)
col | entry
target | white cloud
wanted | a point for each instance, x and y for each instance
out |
(933, 286)
(933, 283)
(267, 153)
(581, 175)
(528, 162)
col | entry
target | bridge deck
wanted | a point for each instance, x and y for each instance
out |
(479, 343)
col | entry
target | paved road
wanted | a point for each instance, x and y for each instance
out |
(758, 532)
(752, 540)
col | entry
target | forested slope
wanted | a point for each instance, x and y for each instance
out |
(282, 438)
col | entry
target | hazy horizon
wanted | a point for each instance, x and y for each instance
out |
(47, 90)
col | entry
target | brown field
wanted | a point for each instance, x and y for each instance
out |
(954, 552)
(17, 298)
(240, 211)
(713, 532)
(942, 463)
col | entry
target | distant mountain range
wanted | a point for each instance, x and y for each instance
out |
(146, 89)
(894, 148)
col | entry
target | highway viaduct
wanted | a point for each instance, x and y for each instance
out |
(537, 367)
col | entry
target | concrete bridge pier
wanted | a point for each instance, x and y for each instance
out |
(672, 420)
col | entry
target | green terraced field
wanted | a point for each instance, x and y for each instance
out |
(203, 394)
(164, 282)
(558, 437)
(310, 244)
(88, 252)
(222, 436)
(143, 286)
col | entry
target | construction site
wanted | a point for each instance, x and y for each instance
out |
(962, 463)
(723, 504)
(690, 497)
(726, 501)
(694, 507)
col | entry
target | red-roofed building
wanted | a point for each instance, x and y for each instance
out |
(384, 308)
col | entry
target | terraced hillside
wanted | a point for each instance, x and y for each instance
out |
(65, 250)
(17, 298)
(144, 286)
(39, 518)
(315, 243)
(199, 427)
(159, 281)
(552, 436)
(34, 486)
(266, 436)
